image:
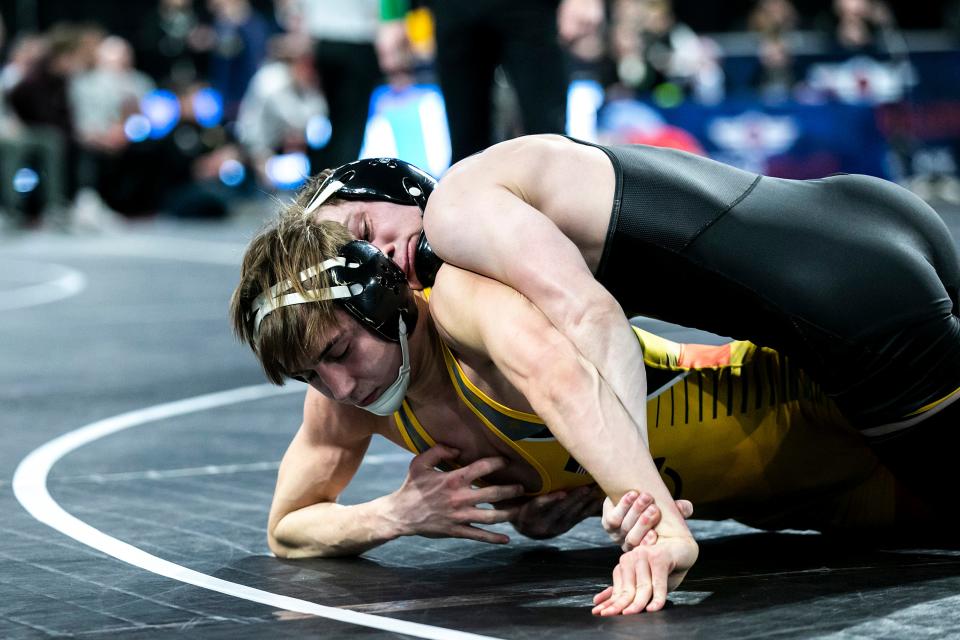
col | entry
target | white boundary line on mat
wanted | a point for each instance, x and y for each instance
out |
(30, 488)
(63, 282)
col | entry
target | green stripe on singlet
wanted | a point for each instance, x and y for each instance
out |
(513, 428)
(414, 435)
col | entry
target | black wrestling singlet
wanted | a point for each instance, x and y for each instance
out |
(854, 276)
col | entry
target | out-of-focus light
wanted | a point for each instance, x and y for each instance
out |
(288, 171)
(584, 99)
(208, 107)
(25, 180)
(137, 127)
(319, 131)
(667, 95)
(232, 173)
(162, 109)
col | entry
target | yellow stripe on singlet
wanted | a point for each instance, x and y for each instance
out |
(406, 414)
(398, 417)
(460, 380)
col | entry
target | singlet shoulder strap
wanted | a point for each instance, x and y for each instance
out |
(414, 435)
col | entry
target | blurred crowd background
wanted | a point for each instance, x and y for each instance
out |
(115, 109)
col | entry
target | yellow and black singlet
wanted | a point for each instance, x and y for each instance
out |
(732, 424)
(523, 432)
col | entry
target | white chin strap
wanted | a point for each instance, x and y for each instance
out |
(392, 397)
(280, 295)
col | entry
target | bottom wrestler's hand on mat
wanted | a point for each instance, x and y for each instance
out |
(555, 513)
(438, 504)
(644, 576)
(632, 521)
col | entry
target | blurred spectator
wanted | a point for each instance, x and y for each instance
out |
(173, 43)
(40, 100)
(773, 17)
(861, 26)
(580, 25)
(474, 38)
(775, 77)
(872, 64)
(117, 171)
(282, 98)
(41, 97)
(653, 49)
(194, 158)
(15, 145)
(26, 51)
(343, 34)
(239, 48)
(91, 34)
(103, 96)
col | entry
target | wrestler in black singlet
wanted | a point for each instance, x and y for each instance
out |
(855, 277)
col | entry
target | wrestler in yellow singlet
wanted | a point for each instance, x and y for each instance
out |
(735, 428)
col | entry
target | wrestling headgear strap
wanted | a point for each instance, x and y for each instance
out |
(373, 289)
(390, 180)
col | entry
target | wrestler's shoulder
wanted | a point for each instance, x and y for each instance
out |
(515, 156)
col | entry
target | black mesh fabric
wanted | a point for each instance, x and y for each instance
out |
(853, 277)
(670, 196)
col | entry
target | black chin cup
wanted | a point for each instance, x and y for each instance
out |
(385, 179)
(385, 296)
(426, 263)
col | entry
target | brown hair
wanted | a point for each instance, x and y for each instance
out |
(286, 246)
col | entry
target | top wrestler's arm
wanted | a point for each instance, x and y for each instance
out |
(486, 228)
(563, 388)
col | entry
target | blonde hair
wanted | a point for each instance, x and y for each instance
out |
(287, 245)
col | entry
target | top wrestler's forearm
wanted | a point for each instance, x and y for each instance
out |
(603, 336)
(589, 420)
(328, 530)
(562, 386)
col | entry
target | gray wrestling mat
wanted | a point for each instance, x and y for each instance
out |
(145, 449)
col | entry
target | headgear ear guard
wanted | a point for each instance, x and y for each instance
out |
(385, 296)
(389, 180)
(372, 288)
(366, 283)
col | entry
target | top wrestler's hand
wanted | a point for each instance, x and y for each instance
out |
(439, 504)
(644, 576)
(633, 520)
(553, 514)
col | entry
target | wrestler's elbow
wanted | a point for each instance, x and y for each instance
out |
(287, 543)
(278, 548)
(286, 549)
(590, 312)
(560, 387)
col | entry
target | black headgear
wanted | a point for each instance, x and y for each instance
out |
(384, 296)
(390, 180)
(368, 284)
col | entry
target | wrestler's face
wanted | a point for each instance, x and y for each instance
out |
(393, 228)
(351, 364)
